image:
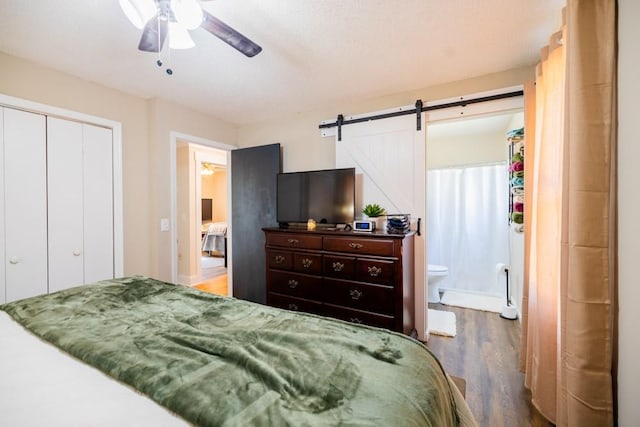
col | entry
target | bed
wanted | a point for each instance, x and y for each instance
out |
(137, 351)
(215, 238)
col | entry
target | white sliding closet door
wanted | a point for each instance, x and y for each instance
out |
(389, 157)
(98, 203)
(64, 170)
(25, 205)
(80, 206)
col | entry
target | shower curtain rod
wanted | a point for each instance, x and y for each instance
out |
(471, 165)
(419, 108)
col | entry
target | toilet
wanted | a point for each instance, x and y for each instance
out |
(435, 274)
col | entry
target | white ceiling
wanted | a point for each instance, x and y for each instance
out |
(315, 52)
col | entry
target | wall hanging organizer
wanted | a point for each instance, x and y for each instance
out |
(515, 139)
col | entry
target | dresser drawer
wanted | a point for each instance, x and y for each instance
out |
(369, 246)
(358, 295)
(281, 260)
(290, 240)
(339, 267)
(359, 317)
(375, 271)
(308, 263)
(294, 284)
(294, 304)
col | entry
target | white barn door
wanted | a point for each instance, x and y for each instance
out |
(389, 157)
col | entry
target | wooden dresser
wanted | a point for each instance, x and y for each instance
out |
(359, 277)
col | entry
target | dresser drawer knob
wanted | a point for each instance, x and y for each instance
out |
(293, 307)
(306, 263)
(355, 320)
(374, 271)
(355, 245)
(279, 259)
(337, 266)
(355, 294)
(293, 241)
(293, 283)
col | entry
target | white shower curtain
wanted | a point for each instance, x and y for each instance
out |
(467, 226)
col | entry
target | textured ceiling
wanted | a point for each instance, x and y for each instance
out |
(315, 52)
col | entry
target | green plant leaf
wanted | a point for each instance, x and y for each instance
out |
(373, 210)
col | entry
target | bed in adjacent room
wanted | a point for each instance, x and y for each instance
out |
(215, 239)
(137, 351)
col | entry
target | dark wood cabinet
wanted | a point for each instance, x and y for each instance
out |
(358, 277)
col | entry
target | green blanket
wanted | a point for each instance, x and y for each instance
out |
(221, 361)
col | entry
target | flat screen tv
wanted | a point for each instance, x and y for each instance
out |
(326, 196)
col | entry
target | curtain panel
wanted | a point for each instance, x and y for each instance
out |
(568, 335)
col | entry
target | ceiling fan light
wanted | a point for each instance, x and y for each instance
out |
(138, 11)
(179, 37)
(188, 13)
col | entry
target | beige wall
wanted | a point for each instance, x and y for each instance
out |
(165, 118)
(219, 184)
(303, 147)
(628, 213)
(146, 128)
(215, 187)
(459, 151)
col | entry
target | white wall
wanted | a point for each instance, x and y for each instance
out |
(628, 213)
(445, 149)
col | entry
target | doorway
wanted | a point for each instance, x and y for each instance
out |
(468, 196)
(201, 209)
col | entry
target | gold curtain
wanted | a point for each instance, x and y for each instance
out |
(569, 305)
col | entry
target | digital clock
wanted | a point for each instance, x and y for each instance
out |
(364, 225)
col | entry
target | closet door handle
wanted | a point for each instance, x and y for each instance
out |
(76, 252)
(14, 260)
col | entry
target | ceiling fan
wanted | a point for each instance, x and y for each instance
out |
(162, 19)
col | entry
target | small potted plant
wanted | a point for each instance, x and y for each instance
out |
(374, 211)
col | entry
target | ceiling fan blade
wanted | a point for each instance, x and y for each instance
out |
(229, 35)
(151, 41)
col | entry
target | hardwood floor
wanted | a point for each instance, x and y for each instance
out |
(485, 352)
(217, 285)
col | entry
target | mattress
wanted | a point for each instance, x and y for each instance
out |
(213, 360)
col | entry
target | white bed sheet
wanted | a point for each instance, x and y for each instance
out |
(40, 385)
